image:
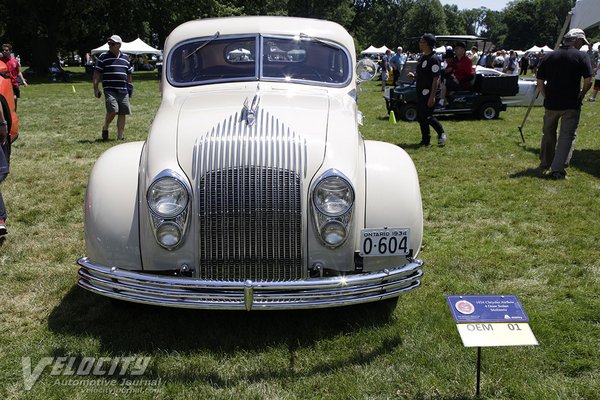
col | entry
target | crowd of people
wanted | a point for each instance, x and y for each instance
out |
(559, 76)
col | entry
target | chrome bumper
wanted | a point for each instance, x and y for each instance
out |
(195, 293)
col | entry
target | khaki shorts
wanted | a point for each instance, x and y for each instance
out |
(117, 102)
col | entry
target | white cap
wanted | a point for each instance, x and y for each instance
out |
(576, 33)
(399, 48)
(115, 38)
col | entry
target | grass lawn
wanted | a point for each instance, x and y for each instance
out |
(492, 226)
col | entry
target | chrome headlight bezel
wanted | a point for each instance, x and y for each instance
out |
(177, 214)
(339, 214)
(162, 185)
(337, 187)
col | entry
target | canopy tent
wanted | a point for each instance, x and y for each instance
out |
(585, 47)
(546, 49)
(375, 50)
(585, 14)
(533, 49)
(138, 46)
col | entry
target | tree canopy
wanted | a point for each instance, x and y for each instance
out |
(52, 27)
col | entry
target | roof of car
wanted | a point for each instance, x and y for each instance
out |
(261, 24)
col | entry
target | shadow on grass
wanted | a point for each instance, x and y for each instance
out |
(126, 327)
(585, 160)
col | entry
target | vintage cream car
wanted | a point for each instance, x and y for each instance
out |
(255, 189)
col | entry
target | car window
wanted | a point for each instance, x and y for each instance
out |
(213, 59)
(294, 59)
(304, 59)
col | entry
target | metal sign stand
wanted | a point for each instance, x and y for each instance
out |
(477, 391)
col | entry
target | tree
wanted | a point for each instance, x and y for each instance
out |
(455, 20)
(425, 16)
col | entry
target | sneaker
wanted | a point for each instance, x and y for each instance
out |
(442, 139)
(424, 144)
(3, 230)
(556, 175)
(105, 134)
(591, 99)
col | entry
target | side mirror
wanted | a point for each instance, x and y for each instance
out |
(365, 70)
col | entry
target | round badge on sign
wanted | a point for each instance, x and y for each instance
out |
(464, 307)
(435, 68)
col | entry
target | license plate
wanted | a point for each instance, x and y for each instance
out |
(384, 242)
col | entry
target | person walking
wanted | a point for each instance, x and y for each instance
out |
(4, 166)
(428, 80)
(596, 85)
(559, 77)
(114, 69)
(14, 70)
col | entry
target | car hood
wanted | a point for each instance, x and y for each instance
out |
(207, 118)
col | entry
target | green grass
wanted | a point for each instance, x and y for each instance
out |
(492, 226)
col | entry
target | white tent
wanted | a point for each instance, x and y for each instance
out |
(533, 49)
(546, 49)
(585, 47)
(138, 46)
(586, 14)
(375, 50)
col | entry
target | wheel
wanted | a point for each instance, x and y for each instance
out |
(489, 111)
(408, 112)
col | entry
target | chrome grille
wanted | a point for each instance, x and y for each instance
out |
(250, 206)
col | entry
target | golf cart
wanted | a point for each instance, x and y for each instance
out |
(482, 100)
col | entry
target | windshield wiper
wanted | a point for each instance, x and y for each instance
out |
(216, 35)
(320, 41)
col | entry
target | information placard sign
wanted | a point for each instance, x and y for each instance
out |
(486, 334)
(486, 308)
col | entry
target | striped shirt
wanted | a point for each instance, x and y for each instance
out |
(114, 71)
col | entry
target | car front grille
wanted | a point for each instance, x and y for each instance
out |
(250, 201)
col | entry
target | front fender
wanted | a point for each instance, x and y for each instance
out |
(111, 208)
(393, 194)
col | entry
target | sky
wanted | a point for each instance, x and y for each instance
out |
(496, 5)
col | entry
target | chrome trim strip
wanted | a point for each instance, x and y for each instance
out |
(202, 294)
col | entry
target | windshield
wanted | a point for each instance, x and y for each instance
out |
(292, 59)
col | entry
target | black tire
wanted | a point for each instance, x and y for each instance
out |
(489, 111)
(408, 112)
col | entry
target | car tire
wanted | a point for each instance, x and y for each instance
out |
(489, 111)
(408, 112)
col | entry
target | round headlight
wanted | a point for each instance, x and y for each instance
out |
(167, 197)
(333, 196)
(168, 234)
(333, 233)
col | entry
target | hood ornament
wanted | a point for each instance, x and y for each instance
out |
(249, 113)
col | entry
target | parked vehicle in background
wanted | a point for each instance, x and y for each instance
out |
(255, 188)
(484, 100)
(526, 91)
